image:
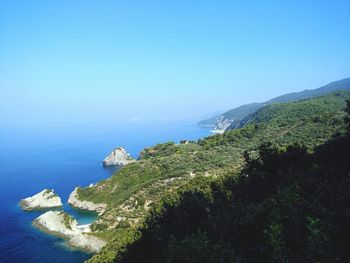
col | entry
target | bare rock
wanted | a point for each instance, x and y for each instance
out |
(119, 156)
(42, 200)
(61, 224)
(74, 201)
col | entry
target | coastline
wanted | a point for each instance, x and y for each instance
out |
(79, 236)
(38, 209)
(58, 168)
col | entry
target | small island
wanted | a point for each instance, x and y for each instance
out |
(42, 200)
(63, 225)
(119, 156)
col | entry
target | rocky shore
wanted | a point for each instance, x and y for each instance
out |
(119, 156)
(85, 205)
(42, 200)
(65, 226)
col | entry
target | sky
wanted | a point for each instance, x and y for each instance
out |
(64, 61)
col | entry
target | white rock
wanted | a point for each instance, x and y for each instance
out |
(221, 125)
(85, 205)
(119, 156)
(45, 199)
(63, 225)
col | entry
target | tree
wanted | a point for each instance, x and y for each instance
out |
(347, 118)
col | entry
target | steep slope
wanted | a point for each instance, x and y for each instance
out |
(210, 122)
(289, 112)
(287, 205)
(136, 188)
(343, 84)
(232, 118)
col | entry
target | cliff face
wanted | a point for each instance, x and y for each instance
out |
(222, 124)
(65, 226)
(42, 200)
(118, 156)
(233, 117)
(85, 205)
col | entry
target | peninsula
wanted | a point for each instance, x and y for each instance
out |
(65, 226)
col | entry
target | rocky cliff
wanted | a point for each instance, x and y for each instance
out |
(42, 200)
(65, 226)
(85, 205)
(118, 156)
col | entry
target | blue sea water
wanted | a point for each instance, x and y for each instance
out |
(32, 159)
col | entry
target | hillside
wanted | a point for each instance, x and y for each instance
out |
(286, 205)
(210, 120)
(232, 118)
(132, 192)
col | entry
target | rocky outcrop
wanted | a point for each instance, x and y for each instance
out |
(65, 226)
(85, 205)
(42, 200)
(221, 125)
(119, 156)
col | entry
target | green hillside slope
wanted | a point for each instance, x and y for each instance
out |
(163, 169)
(286, 205)
(232, 118)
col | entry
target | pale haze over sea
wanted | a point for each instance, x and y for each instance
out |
(87, 62)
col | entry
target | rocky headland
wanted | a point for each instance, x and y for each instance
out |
(85, 205)
(119, 156)
(42, 200)
(65, 226)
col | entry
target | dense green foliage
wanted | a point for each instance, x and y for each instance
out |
(241, 113)
(343, 84)
(168, 168)
(287, 205)
(307, 121)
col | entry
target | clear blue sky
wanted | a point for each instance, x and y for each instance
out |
(94, 61)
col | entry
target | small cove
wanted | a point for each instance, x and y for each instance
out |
(63, 158)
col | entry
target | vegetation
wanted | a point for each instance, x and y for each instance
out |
(343, 84)
(286, 205)
(67, 220)
(237, 115)
(49, 191)
(169, 169)
(210, 122)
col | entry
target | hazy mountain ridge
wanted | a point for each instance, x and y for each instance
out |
(232, 118)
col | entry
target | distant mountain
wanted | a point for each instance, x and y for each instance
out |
(232, 118)
(343, 84)
(210, 120)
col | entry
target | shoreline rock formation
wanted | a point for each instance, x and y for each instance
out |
(119, 156)
(85, 205)
(61, 224)
(42, 200)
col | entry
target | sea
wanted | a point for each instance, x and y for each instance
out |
(61, 158)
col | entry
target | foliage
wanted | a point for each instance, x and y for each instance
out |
(67, 220)
(287, 205)
(169, 168)
(347, 118)
(237, 115)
